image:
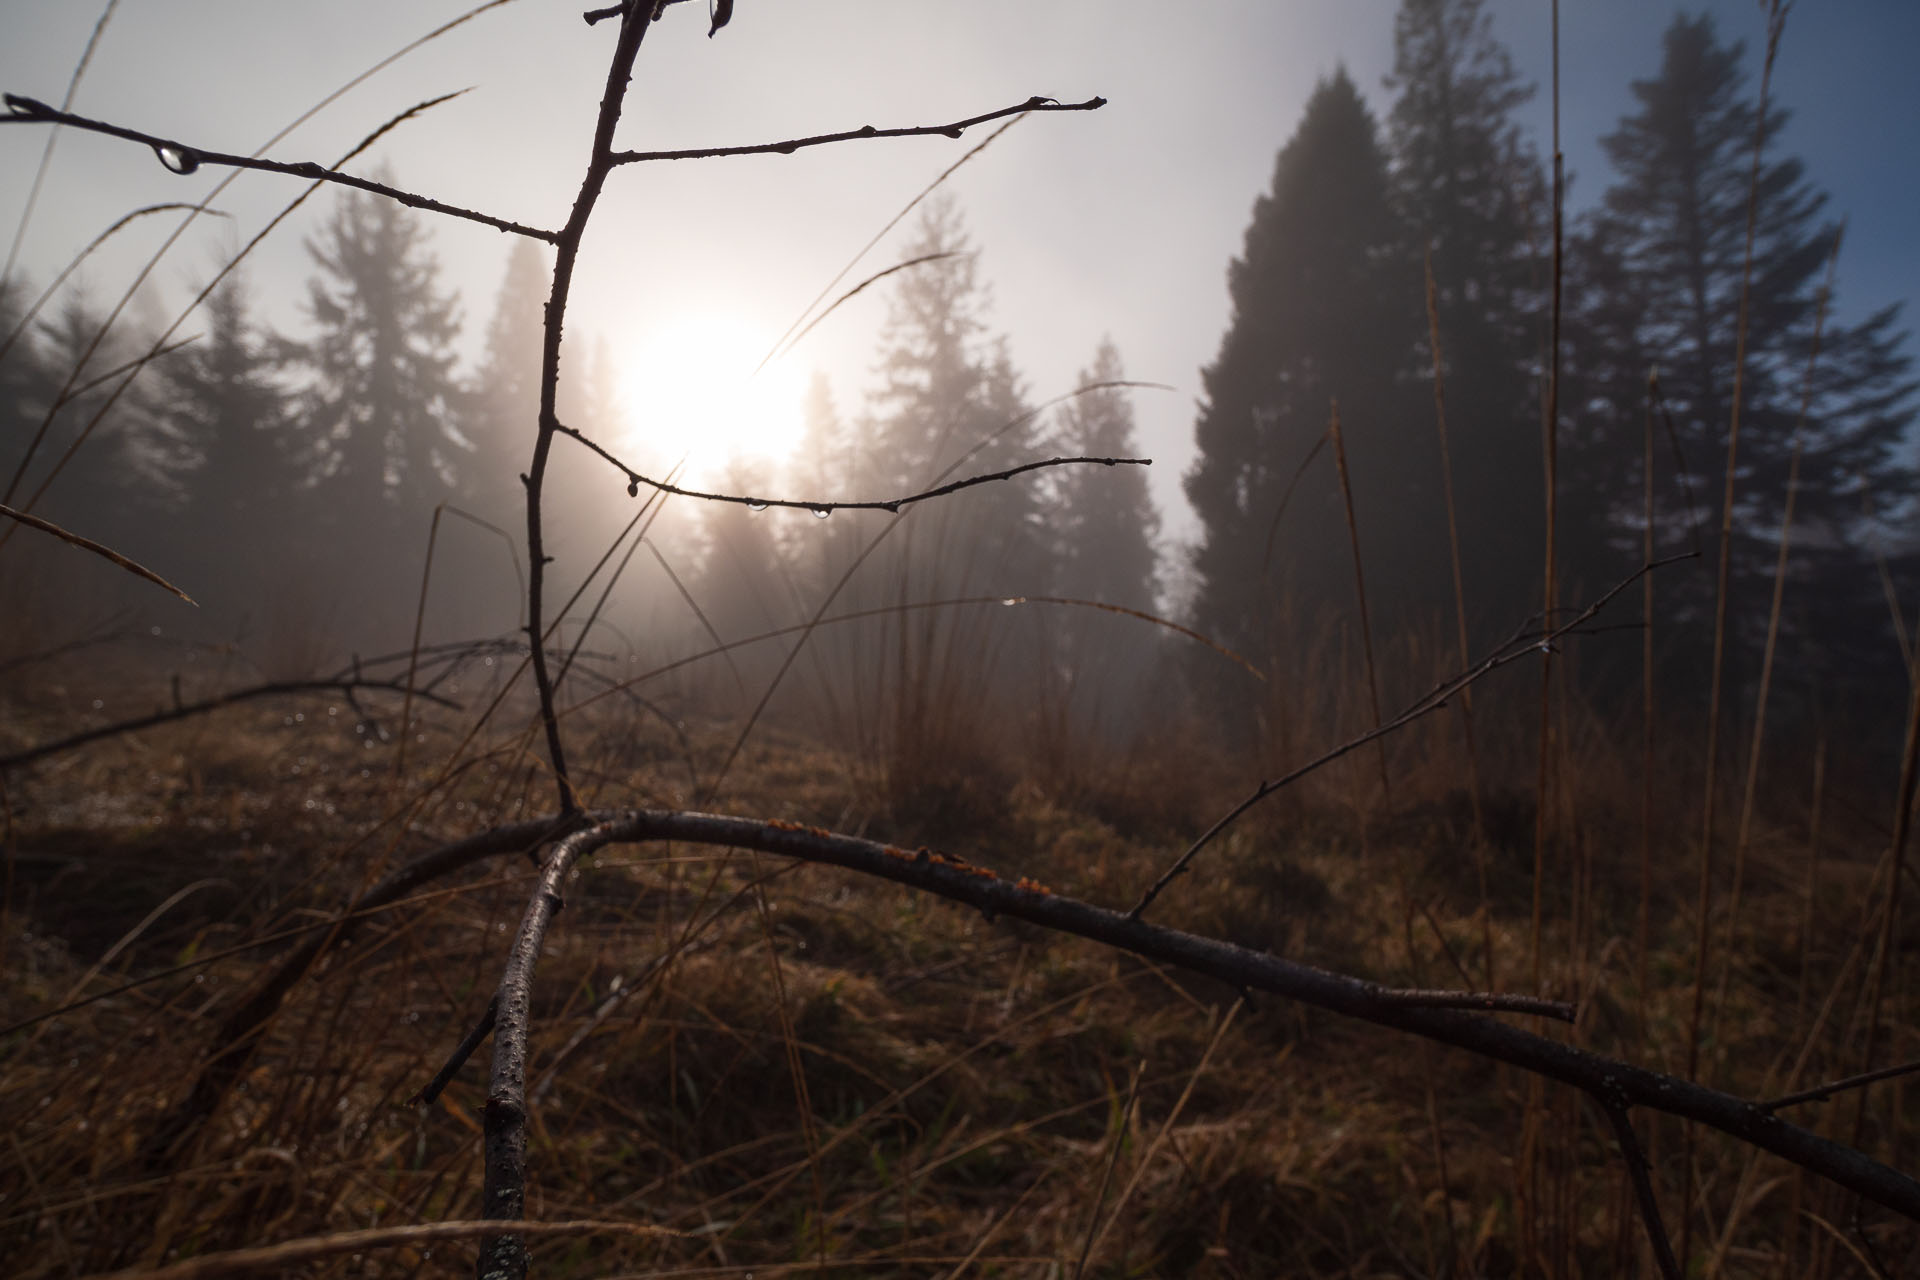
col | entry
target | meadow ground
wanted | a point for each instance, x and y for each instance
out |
(859, 1081)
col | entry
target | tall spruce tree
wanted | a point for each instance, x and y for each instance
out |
(18, 368)
(1326, 308)
(950, 404)
(1105, 528)
(505, 397)
(380, 406)
(126, 483)
(223, 409)
(1106, 523)
(1677, 216)
(383, 401)
(1472, 193)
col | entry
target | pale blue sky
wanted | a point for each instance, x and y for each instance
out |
(1118, 222)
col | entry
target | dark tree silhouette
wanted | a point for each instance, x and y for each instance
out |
(505, 396)
(130, 477)
(1105, 521)
(379, 410)
(1676, 217)
(221, 406)
(949, 392)
(1325, 309)
(1105, 530)
(949, 404)
(19, 372)
(1471, 190)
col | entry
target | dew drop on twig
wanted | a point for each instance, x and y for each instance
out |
(756, 506)
(178, 159)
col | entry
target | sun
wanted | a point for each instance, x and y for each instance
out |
(688, 386)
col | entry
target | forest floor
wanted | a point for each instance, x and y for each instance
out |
(852, 1080)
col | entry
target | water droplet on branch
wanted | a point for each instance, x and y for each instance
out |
(178, 159)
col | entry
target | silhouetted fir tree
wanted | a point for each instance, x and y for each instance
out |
(1105, 527)
(824, 466)
(380, 408)
(1105, 524)
(1605, 403)
(1472, 192)
(744, 587)
(1325, 308)
(950, 405)
(1677, 215)
(505, 396)
(21, 378)
(227, 419)
(118, 484)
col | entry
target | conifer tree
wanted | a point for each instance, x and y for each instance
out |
(505, 397)
(1677, 216)
(1325, 310)
(382, 404)
(125, 459)
(950, 404)
(1105, 528)
(1472, 194)
(222, 408)
(1105, 522)
(380, 407)
(21, 378)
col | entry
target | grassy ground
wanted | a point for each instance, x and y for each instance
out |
(860, 1082)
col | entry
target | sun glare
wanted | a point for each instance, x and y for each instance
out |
(688, 386)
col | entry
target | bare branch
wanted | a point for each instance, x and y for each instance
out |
(183, 159)
(792, 145)
(819, 508)
(881, 234)
(1618, 1084)
(431, 1091)
(1822, 1092)
(1639, 1171)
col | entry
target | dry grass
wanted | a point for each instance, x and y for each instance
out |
(970, 1086)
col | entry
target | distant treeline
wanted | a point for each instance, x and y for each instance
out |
(289, 482)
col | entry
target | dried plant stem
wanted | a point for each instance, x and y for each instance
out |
(1474, 788)
(106, 553)
(1643, 930)
(1360, 594)
(1755, 749)
(1776, 18)
(1884, 942)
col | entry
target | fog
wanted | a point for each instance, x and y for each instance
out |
(1119, 222)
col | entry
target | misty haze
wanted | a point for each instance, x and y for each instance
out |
(1268, 640)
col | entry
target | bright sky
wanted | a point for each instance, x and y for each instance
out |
(1119, 222)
